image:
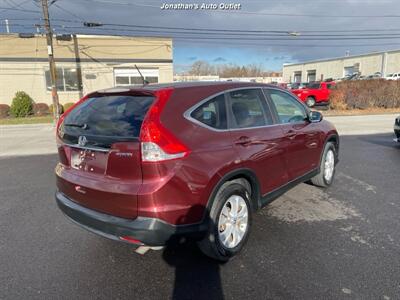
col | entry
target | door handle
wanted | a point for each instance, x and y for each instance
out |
(291, 134)
(243, 140)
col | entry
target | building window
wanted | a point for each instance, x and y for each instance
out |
(348, 71)
(297, 77)
(67, 80)
(311, 75)
(130, 76)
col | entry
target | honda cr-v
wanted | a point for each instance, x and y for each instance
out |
(145, 165)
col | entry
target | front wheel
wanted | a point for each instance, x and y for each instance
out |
(327, 167)
(310, 101)
(229, 223)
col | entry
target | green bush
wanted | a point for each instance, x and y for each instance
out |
(68, 105)
(4, 110)
(51, 109)
(22, 105)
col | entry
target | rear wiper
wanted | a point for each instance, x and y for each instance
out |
(83, 126)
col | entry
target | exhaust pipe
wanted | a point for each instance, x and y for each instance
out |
(142, 250)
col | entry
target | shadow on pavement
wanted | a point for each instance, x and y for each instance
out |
(385, 140)
(196, 275)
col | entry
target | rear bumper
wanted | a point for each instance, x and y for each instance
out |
(149, 231)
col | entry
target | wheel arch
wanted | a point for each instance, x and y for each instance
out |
(334, 138)
(236, 175)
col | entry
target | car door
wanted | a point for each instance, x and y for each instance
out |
(302, 138)
(257, 140)
(327, 88)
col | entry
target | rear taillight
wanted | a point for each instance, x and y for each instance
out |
(157, 143)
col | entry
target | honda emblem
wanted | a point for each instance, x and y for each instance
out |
(82, 141)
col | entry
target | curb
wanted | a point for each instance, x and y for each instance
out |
(27, 126)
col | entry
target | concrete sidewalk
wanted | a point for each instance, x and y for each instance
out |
(360, 125)
(17, 140)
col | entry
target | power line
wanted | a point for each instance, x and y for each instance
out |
(240, 43)
(67, 11)
(177, 35)
(243, 36)
(272, 34)
(20, 9)
(211, 30)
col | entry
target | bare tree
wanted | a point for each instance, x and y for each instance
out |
(201, 68)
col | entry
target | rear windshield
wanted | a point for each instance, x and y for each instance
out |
(106, 120)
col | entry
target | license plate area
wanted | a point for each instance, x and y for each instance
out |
(87, 160)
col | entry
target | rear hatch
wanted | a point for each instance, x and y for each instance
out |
(99, 152)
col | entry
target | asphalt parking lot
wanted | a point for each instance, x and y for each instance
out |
(342, 243)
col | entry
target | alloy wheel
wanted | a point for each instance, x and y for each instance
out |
(233, 221)
(329, 166)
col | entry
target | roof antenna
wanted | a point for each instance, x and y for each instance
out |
(145, 82)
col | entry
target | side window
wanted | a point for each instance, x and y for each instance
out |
(288, 108)
(212, 113)
(247, 108)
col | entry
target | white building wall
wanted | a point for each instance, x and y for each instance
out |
(334, 68)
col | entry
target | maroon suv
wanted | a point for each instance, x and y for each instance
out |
(145, 165)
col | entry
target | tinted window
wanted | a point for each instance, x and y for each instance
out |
(315, 85)
(247, 108)
(212, 113)
(106, 120)
(288, 108)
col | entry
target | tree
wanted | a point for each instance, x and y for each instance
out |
(201, 68)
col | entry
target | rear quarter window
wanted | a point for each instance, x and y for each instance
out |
(212, 113)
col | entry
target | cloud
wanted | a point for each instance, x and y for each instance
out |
(290, 49)
(219, 59)
(282, 57)
(192, 58)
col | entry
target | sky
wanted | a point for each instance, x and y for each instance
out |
(306, 29)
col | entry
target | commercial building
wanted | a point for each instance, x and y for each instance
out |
(335, 68)
(277, 78)
(85, 63)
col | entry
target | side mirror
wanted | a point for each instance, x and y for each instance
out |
(315, 117)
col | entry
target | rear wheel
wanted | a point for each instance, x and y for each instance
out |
(229, 223)
(310, 101)
(327, 167)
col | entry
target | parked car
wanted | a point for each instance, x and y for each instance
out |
(397, 129)
(283, 85)
(297, 85)
(315, 92)
(376, 75)
(394, 76)
(146, 165)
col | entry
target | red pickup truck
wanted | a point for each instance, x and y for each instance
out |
(315, 92)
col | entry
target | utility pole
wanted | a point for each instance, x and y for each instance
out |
(52, 63)
(7, 26)
(78, 66)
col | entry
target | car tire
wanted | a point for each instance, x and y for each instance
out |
(327, 167)
(229, 223)
(310, 101)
